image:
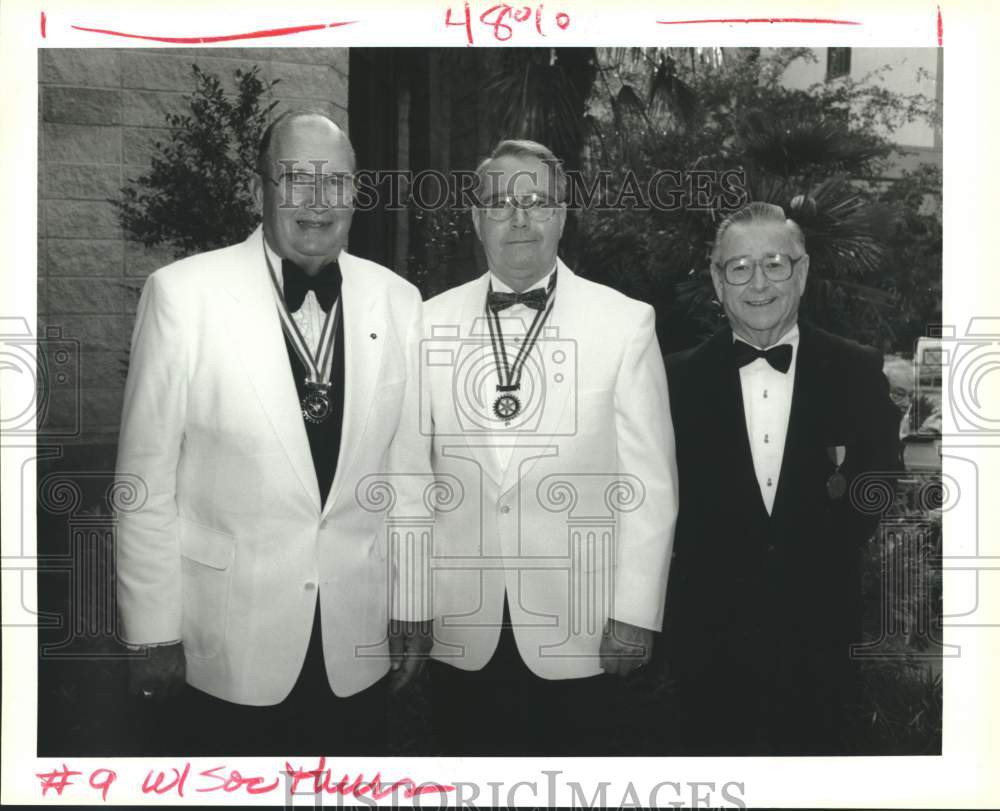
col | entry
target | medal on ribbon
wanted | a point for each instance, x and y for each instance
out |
(315, 402)
(507, 404)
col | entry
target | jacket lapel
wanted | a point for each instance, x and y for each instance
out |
(362, 364)
(259, 343)
(565, 322)
(473, 318)
(810, 375)
(726, 398)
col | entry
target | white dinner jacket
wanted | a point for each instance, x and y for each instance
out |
(578, 527)
(228, 546)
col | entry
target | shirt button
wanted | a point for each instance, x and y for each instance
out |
(505, 509)
(765, 394)
(768, 482)
(310, 586)
(766, 440)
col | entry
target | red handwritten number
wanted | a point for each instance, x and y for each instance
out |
(56, 779)
(467, 23)
(501, 31)
(500, 16)
(104, 784)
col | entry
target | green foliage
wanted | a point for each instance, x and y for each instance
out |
(902, 709)
(541, 94)
(197, 193)
(901, 696)
(442, 233)
(820, 153)
(911, 270)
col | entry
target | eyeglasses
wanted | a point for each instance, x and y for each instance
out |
(332, 188)
(537, 207)
(777, 267)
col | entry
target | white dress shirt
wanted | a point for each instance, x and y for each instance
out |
(309, 318)
(767, 403)
(514, 324)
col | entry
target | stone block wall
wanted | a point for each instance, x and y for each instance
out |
(100, 111)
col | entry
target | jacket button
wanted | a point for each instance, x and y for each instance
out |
(770, 549)
(505, 509)
(324, 524)
(310, 586)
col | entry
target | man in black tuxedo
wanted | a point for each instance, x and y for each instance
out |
(775, 421)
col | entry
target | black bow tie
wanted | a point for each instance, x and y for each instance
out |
(780, 357)
(325, 284)
(533, 298)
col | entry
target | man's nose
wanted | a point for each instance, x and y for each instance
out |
(759, 280)
(519, 219)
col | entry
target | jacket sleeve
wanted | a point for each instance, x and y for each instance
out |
(876, 458)
(152, 429)
(646, 455)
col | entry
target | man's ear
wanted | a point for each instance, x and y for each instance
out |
(717, 281)
(561, 214)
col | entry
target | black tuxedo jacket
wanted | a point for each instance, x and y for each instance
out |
(773, 598)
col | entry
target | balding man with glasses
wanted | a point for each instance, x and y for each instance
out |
(546, 396)
(776, 420)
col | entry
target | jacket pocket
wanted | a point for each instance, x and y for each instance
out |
(207, 557)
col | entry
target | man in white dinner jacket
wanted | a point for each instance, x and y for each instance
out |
(267, 380)
(547, 399)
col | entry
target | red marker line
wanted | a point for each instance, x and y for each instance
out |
(940, 28)
(809, 20)
(270, 32)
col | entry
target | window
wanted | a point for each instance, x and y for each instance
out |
(838, 63)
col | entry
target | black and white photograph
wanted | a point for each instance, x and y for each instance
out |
(401, 413)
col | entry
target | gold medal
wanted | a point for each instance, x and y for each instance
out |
(506, 407)
(836, 485)
(316, 402)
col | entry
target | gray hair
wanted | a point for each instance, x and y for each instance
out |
(757, 212)
(267, 137)
(522, 149)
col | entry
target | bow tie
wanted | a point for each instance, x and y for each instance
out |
(535, 299)
(779, 357)
(325, 284)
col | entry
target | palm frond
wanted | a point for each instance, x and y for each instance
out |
(797, 143)
(536, 96)
(669, 93)
(845, 234)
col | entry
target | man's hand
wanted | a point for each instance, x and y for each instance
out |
(159, 674)
(409, 647)
(625, 647)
